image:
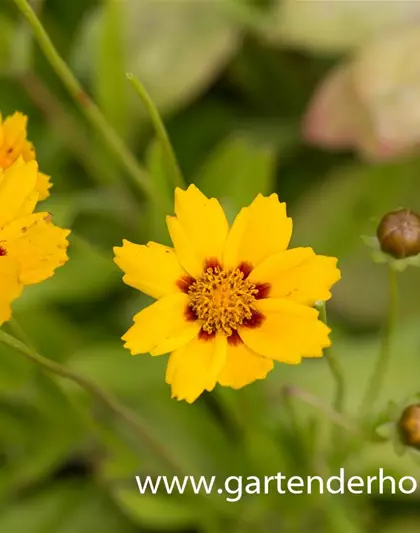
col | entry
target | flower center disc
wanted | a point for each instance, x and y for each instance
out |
(222, 299)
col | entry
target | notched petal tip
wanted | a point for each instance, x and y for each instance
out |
(190, 194)
(189, 398)
(181, 398)
(117, 251)
(128, 344)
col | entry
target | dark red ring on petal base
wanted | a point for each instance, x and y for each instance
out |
(234, 339)
(190, 314)
(184, 283)
(212, 262)
(2, 251)
(246, 269)
(205, 336)
(255, 321)
(263, 290)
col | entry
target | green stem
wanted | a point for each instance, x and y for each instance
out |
(117, 408)
(382, 364)
(18, 332)
(334, 416)
(340, 420)
(135, 172)
(160, 129)
(335, 368)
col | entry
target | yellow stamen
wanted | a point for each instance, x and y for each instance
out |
(222, 299)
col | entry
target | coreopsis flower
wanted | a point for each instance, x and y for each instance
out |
(14, 144)
(31, 246)
(229, 301)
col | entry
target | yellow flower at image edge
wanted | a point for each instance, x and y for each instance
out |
(230, 301)
(14, 144)
(31, 246)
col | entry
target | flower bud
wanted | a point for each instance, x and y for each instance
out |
(399, 233)
(409, 426)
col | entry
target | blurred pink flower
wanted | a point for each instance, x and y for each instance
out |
(371, 103)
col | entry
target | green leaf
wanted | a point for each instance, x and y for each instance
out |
(175, 48)
(237, 171)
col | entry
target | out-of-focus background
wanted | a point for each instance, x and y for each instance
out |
(318, 101)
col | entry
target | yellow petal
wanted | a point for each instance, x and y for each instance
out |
(13, 143)
(260, 230)
(17, 185)
(185, 253)
(161, 327)
(13, 139)
(28, 151)
(199, 230)
(43, 185)
(29, 205)
(288, 332)
(10, 288)
(243, 367)
(298, 275)
(37, 245)
(195, 367)
(14, 127)
(153, 269)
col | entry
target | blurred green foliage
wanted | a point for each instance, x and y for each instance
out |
(233, 99)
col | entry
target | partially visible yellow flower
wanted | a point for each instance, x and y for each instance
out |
(229, 301)
(31, 246)
(13, 144)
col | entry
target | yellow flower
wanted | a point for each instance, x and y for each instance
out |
(13, 144)
(31, 247)
(229, 301)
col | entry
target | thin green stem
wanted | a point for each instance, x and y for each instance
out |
(94, 390)
(337, 418)
(18, 332)
(382, 364)
(335, 368)
(103, 433)
(288, 393)
(340, 420)
(135, 172)
(160, 130)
